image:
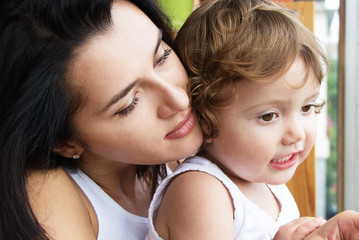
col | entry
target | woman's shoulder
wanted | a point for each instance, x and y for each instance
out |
(60, 206)
(44, 185)
(38, 178)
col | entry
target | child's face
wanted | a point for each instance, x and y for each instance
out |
(269, 129)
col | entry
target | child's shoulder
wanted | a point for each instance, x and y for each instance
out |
(195, 200)
(197, 177)
(201, 182)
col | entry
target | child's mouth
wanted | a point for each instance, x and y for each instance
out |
(285, 162)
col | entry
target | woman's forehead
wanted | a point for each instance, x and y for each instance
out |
(113, 59)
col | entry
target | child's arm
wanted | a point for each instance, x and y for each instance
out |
(299, 228)
(343, 226)
(195, 206)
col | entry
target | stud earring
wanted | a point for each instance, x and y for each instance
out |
(76, 156)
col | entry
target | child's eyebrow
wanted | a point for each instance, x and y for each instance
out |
(314, 95)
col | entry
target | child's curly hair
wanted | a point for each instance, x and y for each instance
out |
(225, 41)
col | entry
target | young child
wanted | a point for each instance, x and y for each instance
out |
(255, 77)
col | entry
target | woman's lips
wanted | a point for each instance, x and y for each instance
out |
(285, 162)
(184, 127)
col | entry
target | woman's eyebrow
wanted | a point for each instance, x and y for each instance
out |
(119, 95)
(159, 40)
(125, 91)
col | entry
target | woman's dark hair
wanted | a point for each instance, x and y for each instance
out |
(37, 41)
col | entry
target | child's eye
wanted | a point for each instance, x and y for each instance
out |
(268, 117)
(316, 106)
(307, 108)
(163, 58)
(124, 112)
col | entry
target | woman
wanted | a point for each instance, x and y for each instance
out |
(91, 97)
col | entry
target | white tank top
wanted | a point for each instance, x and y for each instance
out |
(250, 222)
(115, 223)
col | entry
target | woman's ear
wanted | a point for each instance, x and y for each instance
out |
(68, 149)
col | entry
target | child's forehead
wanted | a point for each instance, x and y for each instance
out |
(297, 76)
(282, 93)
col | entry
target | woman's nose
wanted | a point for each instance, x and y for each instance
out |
(171, 99)
(294, 132)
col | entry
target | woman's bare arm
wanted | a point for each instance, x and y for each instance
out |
(60, 206)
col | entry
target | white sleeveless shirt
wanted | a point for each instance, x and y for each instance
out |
(115, 223)
(250, 222)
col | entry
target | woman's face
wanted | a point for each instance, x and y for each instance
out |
(136, 106)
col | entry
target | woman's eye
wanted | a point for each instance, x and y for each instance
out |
(163, 58)
(268, 117)
(129, 108)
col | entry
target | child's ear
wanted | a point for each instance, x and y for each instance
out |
(68, 149)
(208, 140)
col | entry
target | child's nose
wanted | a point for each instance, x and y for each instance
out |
(294, 133)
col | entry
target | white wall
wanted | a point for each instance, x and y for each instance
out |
(351, 122)
(322, 145)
